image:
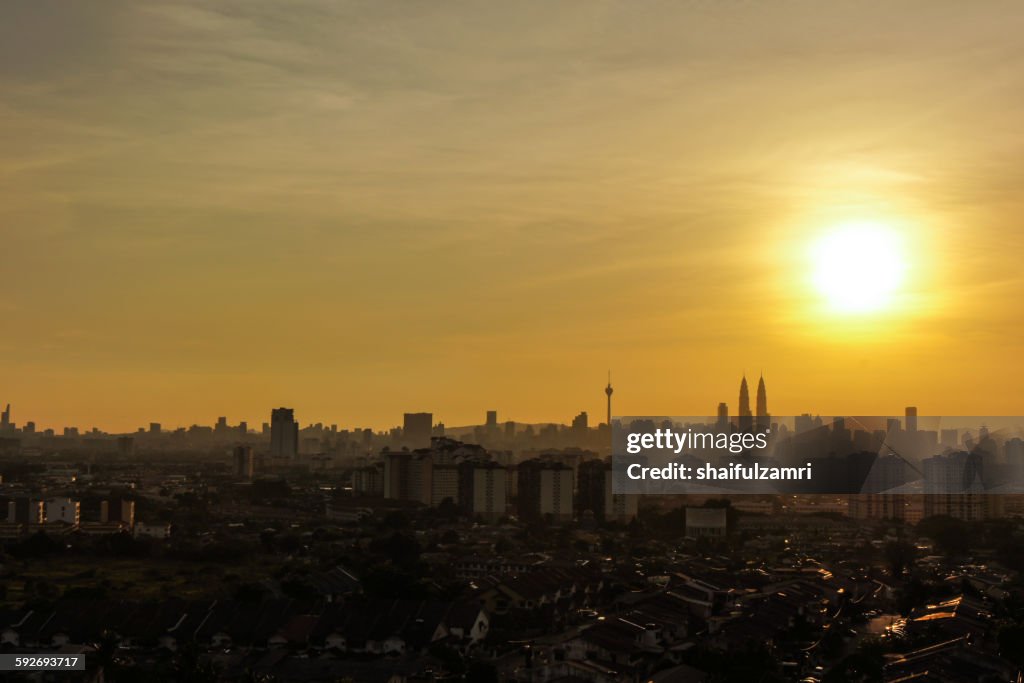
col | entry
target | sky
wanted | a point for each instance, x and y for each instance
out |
(359, 209)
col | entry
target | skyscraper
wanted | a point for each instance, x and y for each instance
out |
(483, 489)
(545, 491)
(409, 476)
(744, 398)
(762, 398)
(417, 429)
(746, 421)
(590, 485)
(125, 445)
(596, 493)
(911, 418)
(5, 417)
(245, 464)
(284, 433)
(762, 405)
(723, 416)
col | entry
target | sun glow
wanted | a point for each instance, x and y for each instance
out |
(858, 267)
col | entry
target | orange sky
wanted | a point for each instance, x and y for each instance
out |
(364, 209)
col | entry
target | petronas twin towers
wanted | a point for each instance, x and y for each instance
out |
(746, 417)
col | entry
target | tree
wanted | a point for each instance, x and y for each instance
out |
(951, 535)
(609, 546)
(448, 656)
(189, 667)
(298, 589)
(635, 528)
(289, 543)
(385, 581)
(401, 549)
(397, 520)
(481, 672)
(251, 592)
(864, 664)
(106, 653)
(1011, 644)
(448, 510)
(38, 544)
(900, 556)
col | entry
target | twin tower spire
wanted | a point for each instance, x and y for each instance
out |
(762, 399)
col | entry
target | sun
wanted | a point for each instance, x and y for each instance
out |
(858, 267)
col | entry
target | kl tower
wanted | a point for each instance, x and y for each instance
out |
(608, 392)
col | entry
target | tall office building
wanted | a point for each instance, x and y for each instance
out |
(590, 488)
(125, 445)
(5, 418)
(746, 421)
(444, 483)
(369, 480)
(545, 491)
(483, 489)
(911, 418)
(245, 464)
(417, 429)
(409, 476)
(1014, 449)
(723, 417)
(284, 433)
(619, 507)
(595, 492)
(763, 419)
(805, 423)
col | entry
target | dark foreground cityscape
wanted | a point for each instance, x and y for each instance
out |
(496, 552)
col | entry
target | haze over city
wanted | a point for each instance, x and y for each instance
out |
(364, 210)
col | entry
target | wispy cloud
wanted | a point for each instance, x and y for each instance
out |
(483, 174)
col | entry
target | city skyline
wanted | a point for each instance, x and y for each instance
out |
(286, 415)
(424, 421)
